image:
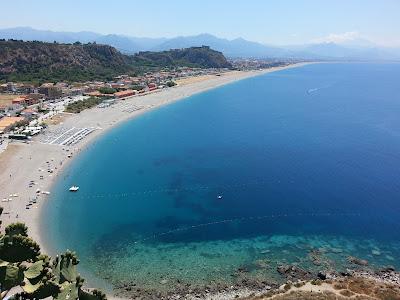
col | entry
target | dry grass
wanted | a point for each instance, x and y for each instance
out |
(57, 119)
(354, 288)
(6, 99)
(297, 295)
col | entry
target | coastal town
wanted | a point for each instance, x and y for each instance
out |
(26, 108)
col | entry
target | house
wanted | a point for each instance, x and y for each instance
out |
(26, 100)
(152, 86)
(28, 113)
(11, 109)
(22, 88)
(34, 98)
(11, 87)
(50, 90)
(21, 100)
(73, 91)
(124, 94)
(117, 85)
(3, 87)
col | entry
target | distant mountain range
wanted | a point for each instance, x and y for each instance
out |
(355, 50)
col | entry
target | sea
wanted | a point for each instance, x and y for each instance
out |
(296, 167)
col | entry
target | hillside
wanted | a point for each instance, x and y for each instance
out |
(30, 61)
(38, 61)
(194, 57)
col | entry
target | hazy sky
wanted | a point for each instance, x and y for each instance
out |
(267, 21)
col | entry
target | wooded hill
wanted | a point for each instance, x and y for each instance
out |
(38, 61)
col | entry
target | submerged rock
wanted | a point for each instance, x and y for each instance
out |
(376, 252)
(345, 273)
(261, 263)
(315, 257)
(242, 270)
(293, 272)
(336, 250)
(357, 261)
(321, 275)
(387, 269)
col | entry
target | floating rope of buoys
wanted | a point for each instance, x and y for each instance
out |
(244, 219)
(233, 186)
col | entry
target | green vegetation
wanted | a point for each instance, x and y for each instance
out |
(137, 87)
(22, 264)
(21, 123)
(171, 83)
(199, 57)
(17, 228)
(39, 62)
(78, 106)
(107, 90)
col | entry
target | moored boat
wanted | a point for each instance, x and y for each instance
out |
(74, 188)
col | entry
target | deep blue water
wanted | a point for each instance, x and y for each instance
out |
(306, 156)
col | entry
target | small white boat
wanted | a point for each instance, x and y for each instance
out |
(74, 188)
(45, 193)
(219, 197)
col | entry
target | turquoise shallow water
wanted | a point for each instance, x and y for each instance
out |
(305, 159)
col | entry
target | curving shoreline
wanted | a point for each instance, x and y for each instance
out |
(22, 163)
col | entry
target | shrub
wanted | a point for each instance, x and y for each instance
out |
(171, 83)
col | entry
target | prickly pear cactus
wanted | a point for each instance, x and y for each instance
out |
(10, 275)
(22, 264)
(92, 295)
(69, 291)
(34, 270)
(64, 267)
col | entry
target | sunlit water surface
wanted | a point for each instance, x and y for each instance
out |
(305, 158)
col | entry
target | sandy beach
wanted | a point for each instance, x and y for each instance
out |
(29, 169)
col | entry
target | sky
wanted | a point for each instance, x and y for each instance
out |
(280, 22)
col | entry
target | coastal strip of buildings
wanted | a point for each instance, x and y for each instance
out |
(24, 106)
(22, 103)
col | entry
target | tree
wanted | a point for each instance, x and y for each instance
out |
(16, 228)
(171, 83)
(107, 90)
(137, 87)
